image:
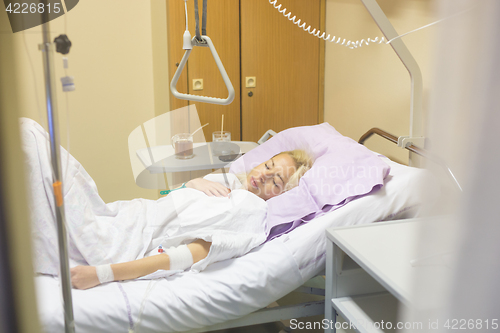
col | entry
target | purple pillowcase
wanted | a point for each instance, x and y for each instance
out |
(342, 170)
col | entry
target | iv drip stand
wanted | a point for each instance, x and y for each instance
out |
(47, 49)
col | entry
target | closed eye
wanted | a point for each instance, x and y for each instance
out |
(282, 182)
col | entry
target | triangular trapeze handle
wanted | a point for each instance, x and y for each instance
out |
(213, 100)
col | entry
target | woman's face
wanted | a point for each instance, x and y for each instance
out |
(268, 179)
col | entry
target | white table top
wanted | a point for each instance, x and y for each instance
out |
(160, 159)
(385, 250)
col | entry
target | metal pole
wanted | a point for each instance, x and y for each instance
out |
(416, 116)
(48, 66)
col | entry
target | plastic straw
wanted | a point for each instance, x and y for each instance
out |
(222, 127)
(199, 129)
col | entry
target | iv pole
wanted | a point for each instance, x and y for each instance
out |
(47, 49)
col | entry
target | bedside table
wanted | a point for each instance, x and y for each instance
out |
(370, 271)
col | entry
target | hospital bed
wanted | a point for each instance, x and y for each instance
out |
(234, 292)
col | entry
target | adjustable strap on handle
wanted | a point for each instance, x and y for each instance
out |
(204, 19)
(197, 19)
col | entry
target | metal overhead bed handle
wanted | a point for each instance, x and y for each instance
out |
(412, 148)
(206, 42)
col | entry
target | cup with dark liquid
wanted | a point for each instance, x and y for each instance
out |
(183, 145)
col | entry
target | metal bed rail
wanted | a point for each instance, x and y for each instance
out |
(390, 137)
(413, 149)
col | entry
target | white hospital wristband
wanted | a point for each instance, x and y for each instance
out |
(104, 273)
(180, 257)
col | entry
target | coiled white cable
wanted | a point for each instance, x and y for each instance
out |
(317, 32)
(343, 42)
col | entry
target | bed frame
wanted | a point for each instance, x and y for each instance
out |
(414, 149)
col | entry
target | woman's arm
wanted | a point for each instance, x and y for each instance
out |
(208, 187)
(84, 277)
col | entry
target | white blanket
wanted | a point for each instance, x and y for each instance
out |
(100, 233)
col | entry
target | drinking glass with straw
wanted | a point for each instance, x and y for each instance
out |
(183, 144)
(220, 136)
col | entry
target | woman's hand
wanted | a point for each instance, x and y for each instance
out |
(208, 187)
(84, 277)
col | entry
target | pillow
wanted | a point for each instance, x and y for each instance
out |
(342, 170)
(407, 192)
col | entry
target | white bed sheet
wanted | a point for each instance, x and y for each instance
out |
(233, 288)
(223, 291)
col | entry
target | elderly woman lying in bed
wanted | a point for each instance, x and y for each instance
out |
(212, 219)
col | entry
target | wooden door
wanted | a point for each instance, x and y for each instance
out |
(223, 30)
(286, 62)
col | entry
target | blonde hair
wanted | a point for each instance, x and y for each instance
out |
(303, 162)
